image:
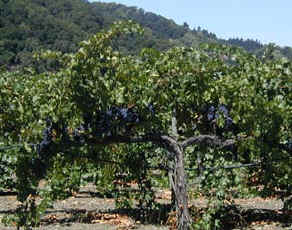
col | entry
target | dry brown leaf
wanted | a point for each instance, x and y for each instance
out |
(122, 221)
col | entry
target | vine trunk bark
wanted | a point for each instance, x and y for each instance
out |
(180, 189)
(178, 180)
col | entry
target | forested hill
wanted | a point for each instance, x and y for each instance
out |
(27, 26)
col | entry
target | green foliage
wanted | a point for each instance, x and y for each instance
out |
(185, 80)
(7, 170)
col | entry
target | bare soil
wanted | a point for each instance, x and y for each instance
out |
(101, 214)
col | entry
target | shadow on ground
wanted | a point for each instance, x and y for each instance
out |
(234, 216)
(157, 216)
(79, 210)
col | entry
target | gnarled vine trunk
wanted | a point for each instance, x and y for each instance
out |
(179, 182)
(182, 211)
(179, 188)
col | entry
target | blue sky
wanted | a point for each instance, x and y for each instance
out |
(265, 20)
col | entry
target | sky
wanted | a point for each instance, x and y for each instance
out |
(269, 21)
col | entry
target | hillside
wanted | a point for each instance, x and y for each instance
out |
(27, 26)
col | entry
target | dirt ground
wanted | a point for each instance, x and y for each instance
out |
(101, 215)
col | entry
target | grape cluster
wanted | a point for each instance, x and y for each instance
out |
(112, 121)
(212, 114)
(78, 134)
(45, 144)
(151, 109)
(38, 167)
(128, 115)
(38, 163)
